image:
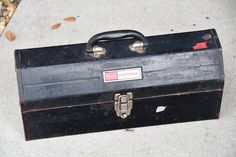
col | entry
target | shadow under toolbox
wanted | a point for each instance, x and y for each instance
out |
(120, 79)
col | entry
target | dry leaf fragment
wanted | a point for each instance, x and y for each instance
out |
(70, 19)
(7, 19)
(56, 26)
(10, 35)
(11, 7)
(11, 13)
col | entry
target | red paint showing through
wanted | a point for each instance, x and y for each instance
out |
(218, 115)
(202, 45)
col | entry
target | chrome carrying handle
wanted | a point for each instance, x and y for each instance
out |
(114, 35)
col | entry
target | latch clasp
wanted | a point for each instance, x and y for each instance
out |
(123, 104)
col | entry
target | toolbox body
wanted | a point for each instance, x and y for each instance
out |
(66, 90)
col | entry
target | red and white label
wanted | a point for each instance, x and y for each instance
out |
(122, 75)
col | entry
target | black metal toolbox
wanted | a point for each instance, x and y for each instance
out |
(120, 79)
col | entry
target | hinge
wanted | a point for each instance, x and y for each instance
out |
(123, 104)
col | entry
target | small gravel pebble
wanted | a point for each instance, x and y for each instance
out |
(6, 2)
(1, 12)
(2, 19)
(7, 8)
(2, 23)
(0, 5)
(5, 13)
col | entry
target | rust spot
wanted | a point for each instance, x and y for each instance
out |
(206, 37)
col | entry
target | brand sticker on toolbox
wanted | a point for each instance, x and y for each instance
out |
(122, 75)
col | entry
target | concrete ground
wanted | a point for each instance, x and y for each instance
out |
(31, 24)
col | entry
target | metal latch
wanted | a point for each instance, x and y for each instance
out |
(123, 104)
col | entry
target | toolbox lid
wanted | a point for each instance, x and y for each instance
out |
(172, 64)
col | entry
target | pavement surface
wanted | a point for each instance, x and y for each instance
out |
(32, 22)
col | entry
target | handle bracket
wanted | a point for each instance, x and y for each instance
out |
(97, 52)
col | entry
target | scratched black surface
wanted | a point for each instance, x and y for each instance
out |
(76, 53)
(102, 117)
(62, 92)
